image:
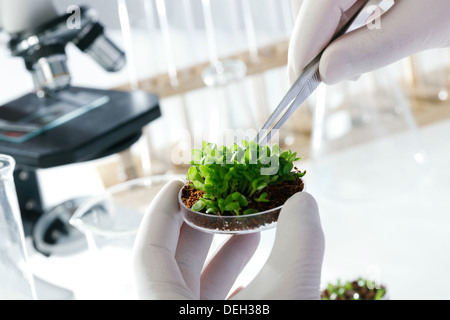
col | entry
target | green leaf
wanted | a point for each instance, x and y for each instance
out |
(199, 206)
(259, 184)
(264, 155)
(197, 156)
(233, 148)
(235, 196)
(263, 198)
(208, 196)
(232, 206)
(301, 174)
(213, 210)
(287, 168)
(229, 199)
(194, 175)
(250, 211)
(223, 187)
(240, 156)
(285, 154)
(292, 157)
(221, 204)
(229, 176)
(380, 294)
(198, 185)
(243, 201)
(205, 171)
(276, 149)
(210, 160)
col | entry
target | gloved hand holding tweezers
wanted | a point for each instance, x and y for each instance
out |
(405, 29)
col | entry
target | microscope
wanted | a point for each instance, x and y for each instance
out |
(59, 124)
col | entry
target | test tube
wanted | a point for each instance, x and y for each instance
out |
(128, 43)
(250, 30)
(191, 29)
(286, 17)
(210, 34)
(167, 39)
(220, 72)
(139, 33)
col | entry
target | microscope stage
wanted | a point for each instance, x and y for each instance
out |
(74, 125)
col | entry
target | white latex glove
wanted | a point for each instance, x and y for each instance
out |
(169, 256)
(407, 28)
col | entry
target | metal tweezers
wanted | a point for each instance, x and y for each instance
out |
(305, 85)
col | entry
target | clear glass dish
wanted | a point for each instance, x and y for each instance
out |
(110, 223)
(119, 211)
(216, 224)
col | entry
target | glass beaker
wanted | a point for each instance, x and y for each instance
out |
(110, 223)
(16, 279)
(365, 142)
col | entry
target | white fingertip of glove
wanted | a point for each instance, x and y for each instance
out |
(221, 272)
(192, 250)
(312, 32)
(155, 269)
(293, 269)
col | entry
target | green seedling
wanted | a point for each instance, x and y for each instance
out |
(359, 289)
(231, 177)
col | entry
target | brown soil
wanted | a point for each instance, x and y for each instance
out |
(277, 194)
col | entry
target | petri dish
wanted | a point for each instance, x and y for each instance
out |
(217, 224)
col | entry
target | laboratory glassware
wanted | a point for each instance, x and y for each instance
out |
(16, 278)
(110, 223)
(142, 42)
(157, 35)
(267, 22)
(259, 88)
(219, 72)
(217, 224)
(365, 142)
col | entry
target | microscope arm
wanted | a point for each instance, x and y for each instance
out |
(20, 15)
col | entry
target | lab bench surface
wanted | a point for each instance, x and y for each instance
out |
(403, 240)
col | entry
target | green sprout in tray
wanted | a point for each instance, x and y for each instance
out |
(359, 289)
(240, 180)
